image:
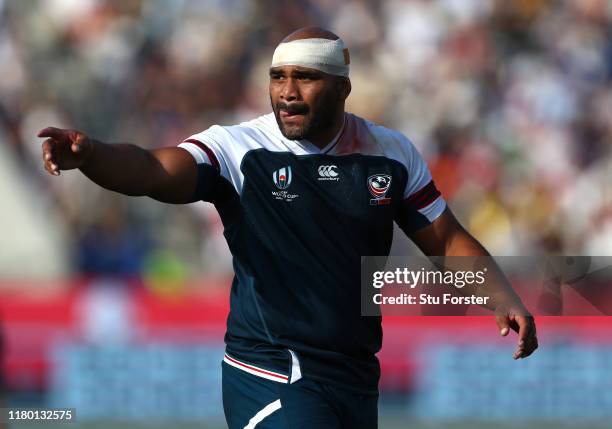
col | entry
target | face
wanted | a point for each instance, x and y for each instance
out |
(305, 101)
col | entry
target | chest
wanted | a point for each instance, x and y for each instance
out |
(357, 190)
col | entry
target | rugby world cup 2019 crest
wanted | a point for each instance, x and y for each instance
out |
(378, 185)
(282, 177)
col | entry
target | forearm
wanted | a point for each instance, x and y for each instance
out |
(472, 256)
(123, 168)
(452, 248)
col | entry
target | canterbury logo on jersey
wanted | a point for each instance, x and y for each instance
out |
(328, 172)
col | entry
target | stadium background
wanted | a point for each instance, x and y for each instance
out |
(116, 306)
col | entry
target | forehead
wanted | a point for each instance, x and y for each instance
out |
(295, 69)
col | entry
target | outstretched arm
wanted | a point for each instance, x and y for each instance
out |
(446, 237)
(168, 175)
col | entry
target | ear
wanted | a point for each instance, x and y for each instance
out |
(346, 88)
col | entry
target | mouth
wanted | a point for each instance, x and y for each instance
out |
(286, 112)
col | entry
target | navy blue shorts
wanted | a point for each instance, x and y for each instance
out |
(251, 401)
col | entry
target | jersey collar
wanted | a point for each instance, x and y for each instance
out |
(311, 148)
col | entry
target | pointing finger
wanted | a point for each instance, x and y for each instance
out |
(52, 132)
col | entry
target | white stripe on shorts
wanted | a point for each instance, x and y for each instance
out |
(265, 412)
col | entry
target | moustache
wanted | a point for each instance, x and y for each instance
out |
(293, 108)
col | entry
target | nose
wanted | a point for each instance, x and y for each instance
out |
(290, 91)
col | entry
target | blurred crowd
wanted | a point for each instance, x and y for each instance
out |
(510, 102)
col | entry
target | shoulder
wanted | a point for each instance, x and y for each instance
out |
(230, 143)
(390, 142)
(249, 131)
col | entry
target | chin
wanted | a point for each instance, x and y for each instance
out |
(293, 133)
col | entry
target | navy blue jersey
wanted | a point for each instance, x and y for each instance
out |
(298, 219)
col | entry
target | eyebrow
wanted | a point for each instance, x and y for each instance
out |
(276, 71)
(308, 73)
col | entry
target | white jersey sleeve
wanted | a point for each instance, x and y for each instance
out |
(421, 194)
(224, 147)
(422, 203)
(214, 150)
(209, 147)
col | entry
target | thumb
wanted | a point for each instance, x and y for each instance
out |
(503, 323)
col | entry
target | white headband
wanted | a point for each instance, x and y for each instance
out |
(328, 56)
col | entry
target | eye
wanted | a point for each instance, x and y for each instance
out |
(303, 76)
(309, 77)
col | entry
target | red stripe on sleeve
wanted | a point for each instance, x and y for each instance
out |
(423, 197)
(207, 151)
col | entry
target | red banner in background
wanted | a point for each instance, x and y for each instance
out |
(32, 323)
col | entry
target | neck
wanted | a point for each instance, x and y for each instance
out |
(323, 138)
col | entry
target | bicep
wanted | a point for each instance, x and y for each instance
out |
(435, 238)
(177, 176)
(445, 236)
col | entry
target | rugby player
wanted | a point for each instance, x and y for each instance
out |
(303, 193)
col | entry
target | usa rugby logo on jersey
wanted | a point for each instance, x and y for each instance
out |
(378, 185)
(282, 179)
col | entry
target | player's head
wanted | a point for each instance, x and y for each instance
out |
(309, 82)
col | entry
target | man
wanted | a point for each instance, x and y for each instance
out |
(303, 193)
